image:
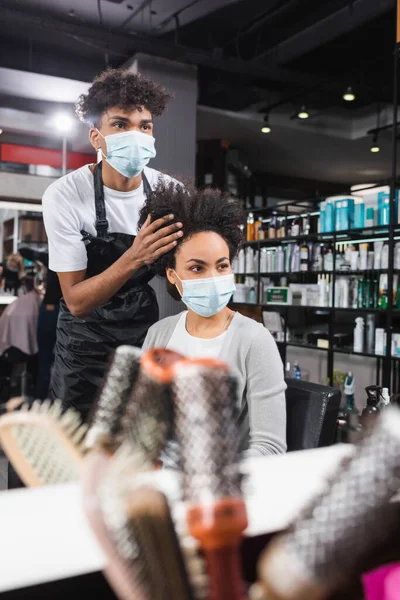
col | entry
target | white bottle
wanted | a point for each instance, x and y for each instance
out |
(385, 257)
(255, 261)
(397, 255)
(344, 293)
(358, 344)
(322, 284)
(385, 398)
(280, 260)
(249, 260)
(241, 261)
(263, 260)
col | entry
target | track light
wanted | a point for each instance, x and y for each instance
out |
(375, 146)
(303, 113)
(349, 95)
(266, 127)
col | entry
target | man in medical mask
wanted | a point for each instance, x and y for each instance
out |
(102, 260)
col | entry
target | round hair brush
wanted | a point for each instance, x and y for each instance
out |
(342, 531)
(205, 405)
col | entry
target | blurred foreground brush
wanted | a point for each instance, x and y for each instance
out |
(205, 404)
(43, 444)
(127, 526)
(105, 427)
(343, 530)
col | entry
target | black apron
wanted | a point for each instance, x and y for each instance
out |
(84, 345)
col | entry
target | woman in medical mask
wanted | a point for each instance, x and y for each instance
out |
(199, 272)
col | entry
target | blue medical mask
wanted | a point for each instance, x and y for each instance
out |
(129, 152)
(207, 297)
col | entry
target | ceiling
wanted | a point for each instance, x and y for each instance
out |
(254, 57)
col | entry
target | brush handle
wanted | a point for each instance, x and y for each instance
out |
(218, 525)
(224, 571)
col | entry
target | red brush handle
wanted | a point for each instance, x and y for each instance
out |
(225, 574)
(219, 526)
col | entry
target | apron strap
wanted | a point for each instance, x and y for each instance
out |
(101, 218)
(146, 186)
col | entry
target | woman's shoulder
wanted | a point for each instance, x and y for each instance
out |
(251, 331)
(165, 327)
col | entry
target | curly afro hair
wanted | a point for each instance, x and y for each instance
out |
(117, 87)
(198, 211)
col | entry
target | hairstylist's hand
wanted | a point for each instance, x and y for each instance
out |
(155, 239)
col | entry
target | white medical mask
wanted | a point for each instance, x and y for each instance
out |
(129, 152)
(207, 297)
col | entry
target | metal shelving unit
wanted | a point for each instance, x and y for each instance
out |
(388, 371)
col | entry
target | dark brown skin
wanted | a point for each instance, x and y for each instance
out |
(154, 239)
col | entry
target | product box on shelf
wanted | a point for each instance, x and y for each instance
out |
(278, 295)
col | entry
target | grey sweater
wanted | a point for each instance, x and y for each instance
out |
(251, 353)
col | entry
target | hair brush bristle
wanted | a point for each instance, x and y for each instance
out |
(44, 445)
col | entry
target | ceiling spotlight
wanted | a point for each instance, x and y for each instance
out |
(375, 147)
(266, 127)
(303, 113)
(349, 95)
(63, 122)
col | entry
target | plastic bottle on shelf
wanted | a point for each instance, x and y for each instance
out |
(304, 257)
(385, 257)
(329, 214)
(235, 265)
(250, 228)
(328, 260)
(360, 293)
(358, 343)
(252, 295)
(370, 334)
(349, 389)
(323, 294)
(296, 371)
(369, 217)
(249, 260)
(295, 229)
(241, 261)
(339, 260)
(383, 291)
(295, 259)
(397, 255)
(317, 257)
(257, 224)
(255, 261)
(306, 224)
(371, 411)
(385, 399)
(363, 257)
(263, 260)
(281, 228)
(280, 260)
(273, 226)
(344, 293)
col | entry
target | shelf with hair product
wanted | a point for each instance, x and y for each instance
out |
(319, 274)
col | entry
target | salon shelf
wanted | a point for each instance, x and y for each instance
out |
(334, 236)
(304, 345)
(351, 352)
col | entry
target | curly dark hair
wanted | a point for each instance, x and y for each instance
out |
(198, 211)
(118, 87)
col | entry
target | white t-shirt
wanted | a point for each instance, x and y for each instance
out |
(68, 207)
(192, 347)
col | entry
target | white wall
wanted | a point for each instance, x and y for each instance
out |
(24, 187)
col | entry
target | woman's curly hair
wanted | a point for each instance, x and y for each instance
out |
(198, 211)
(118, 87)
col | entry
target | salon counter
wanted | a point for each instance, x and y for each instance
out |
(45, 537)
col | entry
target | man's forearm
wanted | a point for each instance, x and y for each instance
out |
(87, 295)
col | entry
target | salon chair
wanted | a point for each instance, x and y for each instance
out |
(312, 412)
